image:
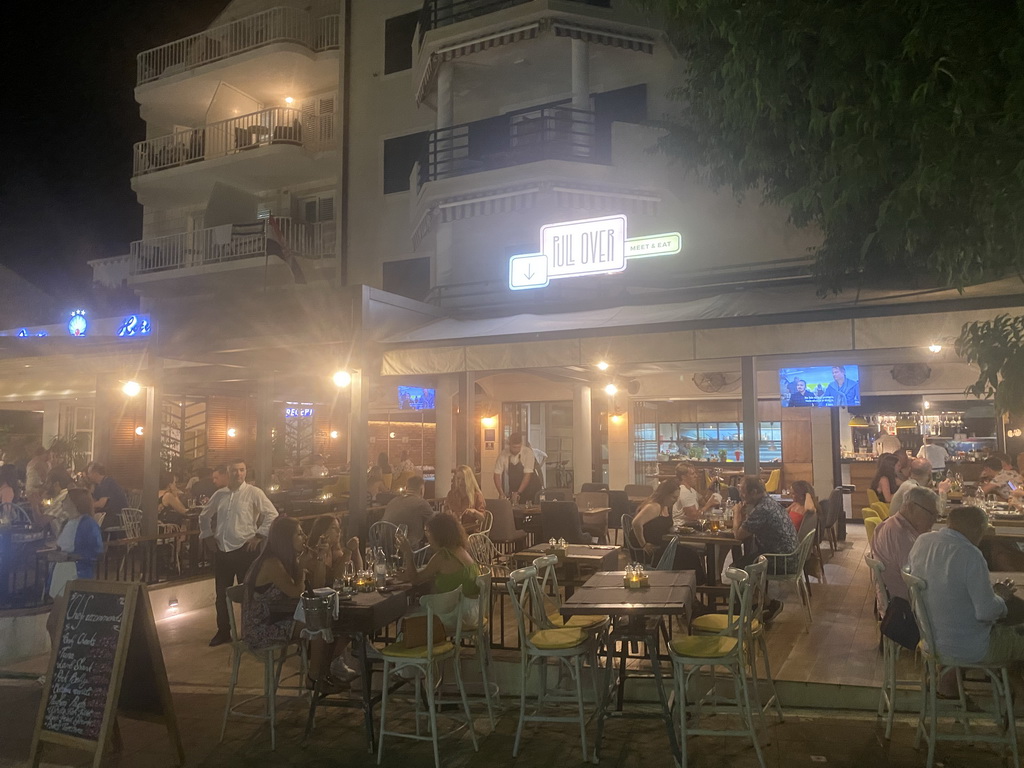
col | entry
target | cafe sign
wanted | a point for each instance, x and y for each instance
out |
(586, 247)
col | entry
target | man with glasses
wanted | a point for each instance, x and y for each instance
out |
(896, 535)
(920, 476)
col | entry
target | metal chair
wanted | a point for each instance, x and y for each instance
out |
(131, 524)
(725, 649)
(382, 535)
(424, 662)
(998, 676)
(487, 523)
(777, 570)
(15, 514)
(636, 552)
(479, 632)
(568, 646)
(272, 658)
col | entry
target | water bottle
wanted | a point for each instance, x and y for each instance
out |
(380, 571)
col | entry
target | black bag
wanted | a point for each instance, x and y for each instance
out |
(899, 624)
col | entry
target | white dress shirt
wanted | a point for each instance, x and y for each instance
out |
(241, 514)
(935, 454)
(960, 598)
(525, 455)
(687, 498)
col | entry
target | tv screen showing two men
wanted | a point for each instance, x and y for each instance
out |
(820, 386)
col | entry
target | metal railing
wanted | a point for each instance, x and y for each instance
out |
(442, 13)
(526, 136)
(229, 242)
(276, 25)
(277, 125)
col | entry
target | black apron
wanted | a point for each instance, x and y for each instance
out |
(515, 480)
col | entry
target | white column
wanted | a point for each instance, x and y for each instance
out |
(445, 103)
(620, 463)
(151, 442)
(582, 436)
(51, 421)
(444, 435)
(264, 458)
(580, 74)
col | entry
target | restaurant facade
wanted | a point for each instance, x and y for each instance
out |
(464, 213)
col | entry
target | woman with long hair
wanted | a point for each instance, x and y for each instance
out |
(885, 481)
(465, 501)
(803, 501)
(653, 523)
(79, 546)
(331, 556)
(170, 508)
(451, 565)
(280, 572)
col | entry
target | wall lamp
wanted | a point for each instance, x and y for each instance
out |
(342, 379)
(489, 422)
(131, 388)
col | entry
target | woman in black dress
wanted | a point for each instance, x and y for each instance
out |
(653, 522)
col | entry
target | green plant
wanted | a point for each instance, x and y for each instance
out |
(69, 451)
(997, 348)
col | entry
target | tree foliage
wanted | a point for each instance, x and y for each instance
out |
(997, 348)
(895, 126)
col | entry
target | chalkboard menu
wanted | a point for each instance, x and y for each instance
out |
(84, 667)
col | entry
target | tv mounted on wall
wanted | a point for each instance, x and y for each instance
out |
(820, 386)
(415, 398)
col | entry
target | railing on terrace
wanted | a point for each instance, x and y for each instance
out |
(545, 133)
(442, 13)
(276, 25)
(229, 242)
(277, 125)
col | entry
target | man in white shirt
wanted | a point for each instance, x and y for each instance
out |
(689, 507)
(935, 454)
(542, 463)
(961, 599)
(886, 443)
(244, 514)
(516, 467)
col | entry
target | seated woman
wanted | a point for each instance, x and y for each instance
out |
(804, 500)
(331, 556)
(170, 508)
(281, 572)
(653, 522)
(885, 482)
(465, 501)
(79, 546)
(450, 566)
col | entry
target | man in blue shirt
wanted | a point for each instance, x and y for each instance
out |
(842, 391)
(108, 497)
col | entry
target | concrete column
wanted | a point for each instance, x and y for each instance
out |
(444, 435)
(751, 426)
(51, 422)
(580, 74)
(108, 402)
(359, 445)
(582, 436)
(151, 441)
(264, 459)
(465, 421)
(445, 100)
(620, 462)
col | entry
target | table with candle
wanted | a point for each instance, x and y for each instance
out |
(575, 564)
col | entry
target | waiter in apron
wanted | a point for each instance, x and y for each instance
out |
(516, 470)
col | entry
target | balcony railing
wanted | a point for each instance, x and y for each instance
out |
(442, 13)
(229, 242)
(277, 25)
(545, 133)
(278, 125)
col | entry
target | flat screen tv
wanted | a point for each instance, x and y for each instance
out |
(415, 398)
(820, 386)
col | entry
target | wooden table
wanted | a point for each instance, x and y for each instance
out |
(713, 542)
(361, 618)
(671, 593)
(577, 558)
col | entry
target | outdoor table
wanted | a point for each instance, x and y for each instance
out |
(361, 617)
(713, 542)
(670, 593)
(577, 557)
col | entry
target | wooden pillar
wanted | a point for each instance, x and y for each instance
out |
(751, 425)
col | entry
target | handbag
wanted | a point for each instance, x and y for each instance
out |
(899, 624)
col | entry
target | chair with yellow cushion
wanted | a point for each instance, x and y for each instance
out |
(718, 623)
(568, 646)
(771, 485)
(870, 523)
(872, 497)
(881, 509)
(727, 649)
(424, 663)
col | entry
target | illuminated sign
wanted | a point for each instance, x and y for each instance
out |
(79, 325)
(587, 247)
(135, 325)
(297, 413)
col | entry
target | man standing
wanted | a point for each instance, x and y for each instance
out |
(209, 483)
(410, 509)
(961, 599)
(244, 514)
(935, 454)
(842, 391)
(688, 508)
(895, 536)
(516, 467)
(107, 496)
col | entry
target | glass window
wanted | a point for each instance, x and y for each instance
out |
(400, 155)
(398, 35)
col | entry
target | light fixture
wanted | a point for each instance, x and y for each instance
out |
(139, 430)
(232, 432)
(334, 434)
(926, 404)
(602, 365)
(489, 422)
(616, 418)
(611, 389)
(391, 435)
(131, 388)
(289, 100)
(342, 379)
(858, 421)
(935, 348)
(172, 603)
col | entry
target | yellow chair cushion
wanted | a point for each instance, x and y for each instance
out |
(401, 651)
(703, 646)
(558, 639)
(717, 622)
(581, 622)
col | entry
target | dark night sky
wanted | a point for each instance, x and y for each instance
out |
(68, 130)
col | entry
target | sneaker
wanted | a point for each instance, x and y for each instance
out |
(342, 671)
(771, 612)
(220, 639)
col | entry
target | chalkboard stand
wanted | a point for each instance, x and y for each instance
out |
(136, 681)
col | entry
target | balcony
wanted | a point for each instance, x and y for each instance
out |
(516, 138)
(443, 13)
(231, 246)
(277, 25)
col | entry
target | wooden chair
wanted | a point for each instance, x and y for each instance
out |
(504, 533)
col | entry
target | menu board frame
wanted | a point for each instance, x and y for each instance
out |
(138, 648)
